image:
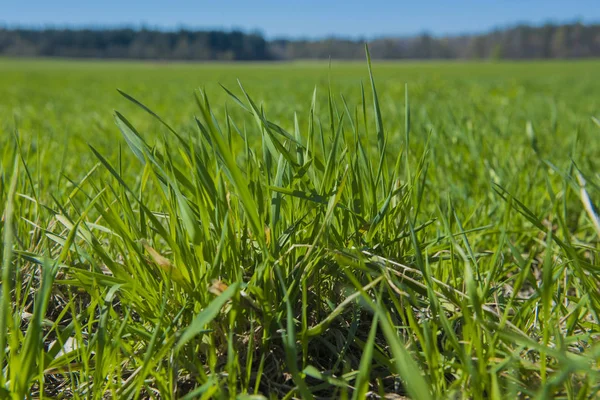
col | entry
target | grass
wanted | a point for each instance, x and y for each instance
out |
(270, 239)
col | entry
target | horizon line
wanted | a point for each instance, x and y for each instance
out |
(138, 27)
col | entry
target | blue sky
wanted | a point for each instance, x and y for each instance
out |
(308, 18)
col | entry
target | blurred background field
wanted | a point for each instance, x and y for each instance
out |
(79, 96)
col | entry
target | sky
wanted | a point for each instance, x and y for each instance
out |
(301, 19)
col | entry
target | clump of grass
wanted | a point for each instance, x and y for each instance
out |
(249, 260)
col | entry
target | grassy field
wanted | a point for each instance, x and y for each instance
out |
(430, 233)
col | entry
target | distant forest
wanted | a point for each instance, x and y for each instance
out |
(519, 42)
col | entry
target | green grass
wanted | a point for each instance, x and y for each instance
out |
(310, 233)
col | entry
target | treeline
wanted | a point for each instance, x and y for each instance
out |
(521, 42)
(134, 44)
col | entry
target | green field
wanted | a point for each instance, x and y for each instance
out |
(300, 237)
